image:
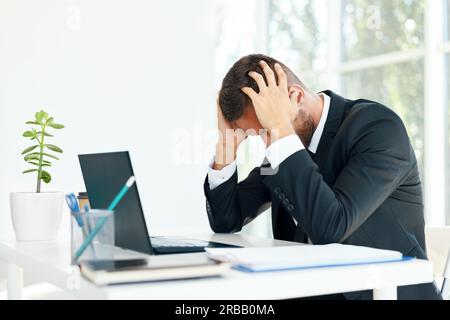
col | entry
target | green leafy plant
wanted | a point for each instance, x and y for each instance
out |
(39, 154)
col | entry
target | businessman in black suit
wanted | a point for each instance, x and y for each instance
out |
(336, 170)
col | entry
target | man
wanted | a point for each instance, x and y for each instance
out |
(336, 170)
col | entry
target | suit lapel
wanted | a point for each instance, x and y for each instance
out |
(334, 121)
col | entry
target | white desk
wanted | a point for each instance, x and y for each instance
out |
(50, 262)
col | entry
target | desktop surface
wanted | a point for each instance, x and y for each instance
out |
(50, 262)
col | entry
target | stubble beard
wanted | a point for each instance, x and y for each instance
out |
(304, 127)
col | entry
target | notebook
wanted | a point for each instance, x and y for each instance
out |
(300, 257)
(108, 272)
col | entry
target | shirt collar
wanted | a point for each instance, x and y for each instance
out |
(313, 145)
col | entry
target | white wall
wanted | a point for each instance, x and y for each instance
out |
(121, 75)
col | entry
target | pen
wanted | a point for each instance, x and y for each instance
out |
(89, 221)
(75, 209)
(102, 221)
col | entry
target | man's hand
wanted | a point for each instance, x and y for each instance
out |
(273, 106)
(229, 141)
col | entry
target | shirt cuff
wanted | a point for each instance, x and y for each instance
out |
(218, 177)
(282, 149)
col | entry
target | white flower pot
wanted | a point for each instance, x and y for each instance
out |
(36, 216)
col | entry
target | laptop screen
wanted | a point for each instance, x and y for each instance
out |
(104, 175)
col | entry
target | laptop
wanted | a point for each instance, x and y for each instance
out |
(104, 175)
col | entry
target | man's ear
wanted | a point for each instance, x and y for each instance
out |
(296, 88)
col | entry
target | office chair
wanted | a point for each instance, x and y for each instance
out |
(438, 250)
(445, 291)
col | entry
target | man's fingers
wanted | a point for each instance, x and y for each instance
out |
(282, 78)
(249, 92)
(270, 76)
(259, 80)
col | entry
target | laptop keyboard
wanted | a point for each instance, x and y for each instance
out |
(177, 243)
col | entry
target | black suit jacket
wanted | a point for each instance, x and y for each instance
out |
(362, 188)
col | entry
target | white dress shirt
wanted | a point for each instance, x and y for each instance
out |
(277, 152)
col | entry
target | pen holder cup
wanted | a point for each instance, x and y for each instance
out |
(83, 227)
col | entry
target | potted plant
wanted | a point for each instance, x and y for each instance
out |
(36, 216)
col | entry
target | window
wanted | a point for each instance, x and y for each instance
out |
(446, 49)
(299, 28)
(381, 50)
(372, 28)
(239, 28)
(297, 36)
(236, 30)
(375, 29)
(448, 141)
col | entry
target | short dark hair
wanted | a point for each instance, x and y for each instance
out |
(232, 100)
